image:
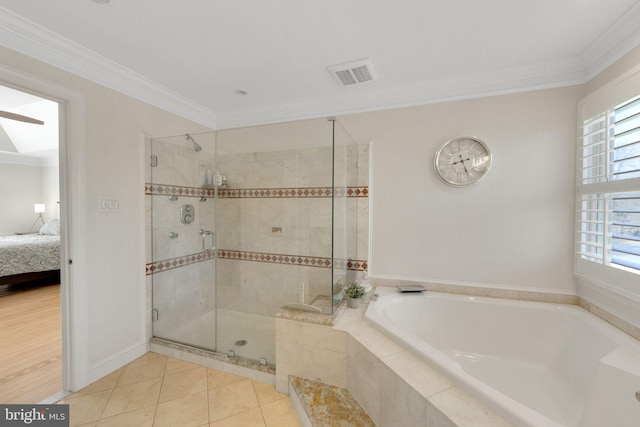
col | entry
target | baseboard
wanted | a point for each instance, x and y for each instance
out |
(110, 364)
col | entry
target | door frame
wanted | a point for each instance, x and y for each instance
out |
(73, 244)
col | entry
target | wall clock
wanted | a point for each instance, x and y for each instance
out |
(462, 161)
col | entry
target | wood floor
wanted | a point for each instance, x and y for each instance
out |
(30, 345)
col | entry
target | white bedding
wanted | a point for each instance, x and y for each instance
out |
(29, 253)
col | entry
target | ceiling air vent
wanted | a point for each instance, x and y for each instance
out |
(354, 72)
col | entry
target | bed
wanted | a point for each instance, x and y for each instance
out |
(30, 257)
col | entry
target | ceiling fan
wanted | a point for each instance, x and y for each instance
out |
(18, 117)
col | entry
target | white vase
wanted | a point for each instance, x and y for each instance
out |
(354, 302)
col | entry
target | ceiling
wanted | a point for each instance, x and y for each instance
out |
(191, 56)
(26, 142)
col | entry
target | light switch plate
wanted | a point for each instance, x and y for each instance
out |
(108, 204)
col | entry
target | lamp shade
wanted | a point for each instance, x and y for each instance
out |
(38, 208)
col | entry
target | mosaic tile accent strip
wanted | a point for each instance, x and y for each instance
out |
(301, 260)
(352, 264)
(255, 193)
(169, 264)
(307, 261)
(170, 190)
(292, 193)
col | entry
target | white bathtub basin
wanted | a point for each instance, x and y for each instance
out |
(536, 364)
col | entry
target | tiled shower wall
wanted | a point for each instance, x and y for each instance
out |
(260, 270)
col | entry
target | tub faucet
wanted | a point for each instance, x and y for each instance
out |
(405, 289)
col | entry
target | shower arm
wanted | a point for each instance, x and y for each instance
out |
(204, 233)
(196, 146)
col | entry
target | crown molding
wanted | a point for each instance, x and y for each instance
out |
(26, 37)
(618, 40)
(508, 80)
(33, 40)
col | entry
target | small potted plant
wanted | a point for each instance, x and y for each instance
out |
(355, 292)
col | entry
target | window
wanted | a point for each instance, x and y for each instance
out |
(608, 208)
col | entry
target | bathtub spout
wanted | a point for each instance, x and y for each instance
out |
(405, 289)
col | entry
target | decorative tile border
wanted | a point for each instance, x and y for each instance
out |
(178, 190)
(169, 264)
(299, 260)
(307, 261)
(255, 193)
(292, 193)
(352, 264)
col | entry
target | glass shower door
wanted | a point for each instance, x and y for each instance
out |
(346, 197)
(183, 238)
(274, 223)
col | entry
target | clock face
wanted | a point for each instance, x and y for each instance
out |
(462, 161)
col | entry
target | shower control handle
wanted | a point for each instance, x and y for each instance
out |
(204, 233)
(187, 214)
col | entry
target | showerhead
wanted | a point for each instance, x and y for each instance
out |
(196, 146)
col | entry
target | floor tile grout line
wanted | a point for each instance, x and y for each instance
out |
(108, 398)
(164, 371)
(209, 390)
(208, 401)
(233, 415)
(264, 420)
(137, 382)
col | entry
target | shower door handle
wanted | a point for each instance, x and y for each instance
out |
(204, 233)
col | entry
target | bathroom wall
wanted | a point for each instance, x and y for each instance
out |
(513, 229)
(260, 269)
(112, 293)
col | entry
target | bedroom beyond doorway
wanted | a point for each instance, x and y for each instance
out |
(31, 359)
(31, 365)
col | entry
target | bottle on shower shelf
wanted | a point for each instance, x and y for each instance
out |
(208, 179)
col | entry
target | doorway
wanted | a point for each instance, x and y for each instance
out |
(30, 258)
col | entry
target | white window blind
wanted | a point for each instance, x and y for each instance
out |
(608, 209)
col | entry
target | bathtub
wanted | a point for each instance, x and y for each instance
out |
(535, 364)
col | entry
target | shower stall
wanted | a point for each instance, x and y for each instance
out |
(245, 222)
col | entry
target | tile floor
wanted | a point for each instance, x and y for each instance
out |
(156, 390)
